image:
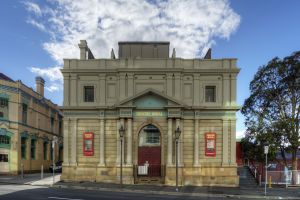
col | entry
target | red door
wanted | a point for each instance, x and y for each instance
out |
(153, 156)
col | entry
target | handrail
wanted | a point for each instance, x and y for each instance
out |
(255, 172)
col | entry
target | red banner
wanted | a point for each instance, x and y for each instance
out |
(88, 143)
(210, 144)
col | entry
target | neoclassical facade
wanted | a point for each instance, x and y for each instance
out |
(149, 94)
(28, 123)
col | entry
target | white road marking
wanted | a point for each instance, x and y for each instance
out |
(63, 198)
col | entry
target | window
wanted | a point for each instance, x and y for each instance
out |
(52, 124)
(32, 149)
(3, 108)
(45, 147)
(152, 138)
(4, 139)
(88, 93)
(24, 113)
(149, 136)
(60, 123)
(210, 93)
(23, 148)
(3, 157)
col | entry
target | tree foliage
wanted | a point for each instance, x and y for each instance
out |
(272, 110)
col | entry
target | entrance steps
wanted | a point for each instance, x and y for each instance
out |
(149, 180)
(246, 178)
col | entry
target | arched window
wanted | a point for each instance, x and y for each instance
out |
(149, 136)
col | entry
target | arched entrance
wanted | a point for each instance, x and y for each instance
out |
(149, 152)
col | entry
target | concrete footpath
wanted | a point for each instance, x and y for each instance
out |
(242, 193)
(193, 191)
(30, 179)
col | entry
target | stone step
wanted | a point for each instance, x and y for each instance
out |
(246, 178)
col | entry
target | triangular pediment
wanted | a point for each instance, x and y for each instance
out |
(150, 98)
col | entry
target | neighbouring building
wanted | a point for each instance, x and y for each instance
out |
(150, 94)
(28, 122)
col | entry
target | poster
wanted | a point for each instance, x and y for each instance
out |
(88, 144)
(210, 144)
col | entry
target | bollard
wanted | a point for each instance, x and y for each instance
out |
(270, 181)
(22, 170)
(255, 173)
(259, 180)
(42, 172)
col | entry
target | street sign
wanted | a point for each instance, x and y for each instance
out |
(266, 149)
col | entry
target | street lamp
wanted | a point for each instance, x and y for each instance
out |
(266, 150)
(121, 132)
(177, 135)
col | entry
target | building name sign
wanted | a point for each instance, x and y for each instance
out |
(150, 114)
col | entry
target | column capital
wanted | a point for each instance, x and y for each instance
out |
(73, 76)
(102, 76)
(174, 113)
(196, 76)
(226, 76)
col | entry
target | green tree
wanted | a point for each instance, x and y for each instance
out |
(272, 110)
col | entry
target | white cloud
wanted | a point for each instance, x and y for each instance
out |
(32, 7)
(52, 74)
(54, 87)
(191, 26)
(40, 26)
(240, 134)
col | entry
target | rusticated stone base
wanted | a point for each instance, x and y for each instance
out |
(196, 176)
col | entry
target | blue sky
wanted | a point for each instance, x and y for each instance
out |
(35, 34)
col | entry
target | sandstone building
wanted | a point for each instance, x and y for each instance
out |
(150, 94)
(28, 122)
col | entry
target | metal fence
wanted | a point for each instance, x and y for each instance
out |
(288, 177)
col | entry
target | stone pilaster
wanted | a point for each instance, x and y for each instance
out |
(102, 143)
(169, 85)
(130, 85)
(225, 143)
(233, 142)
(129, 142)
(226, 90)
(102, 93)
(170, 143)
(74, 142)
(122, 86)
(233, 90)
(196, 143)
(66, 90)
(66, 142)
(73, 90)
(196, 95)
(178, 86)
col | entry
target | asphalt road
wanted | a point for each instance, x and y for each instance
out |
(15, 192)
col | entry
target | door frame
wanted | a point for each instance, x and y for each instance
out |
(136, 140)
